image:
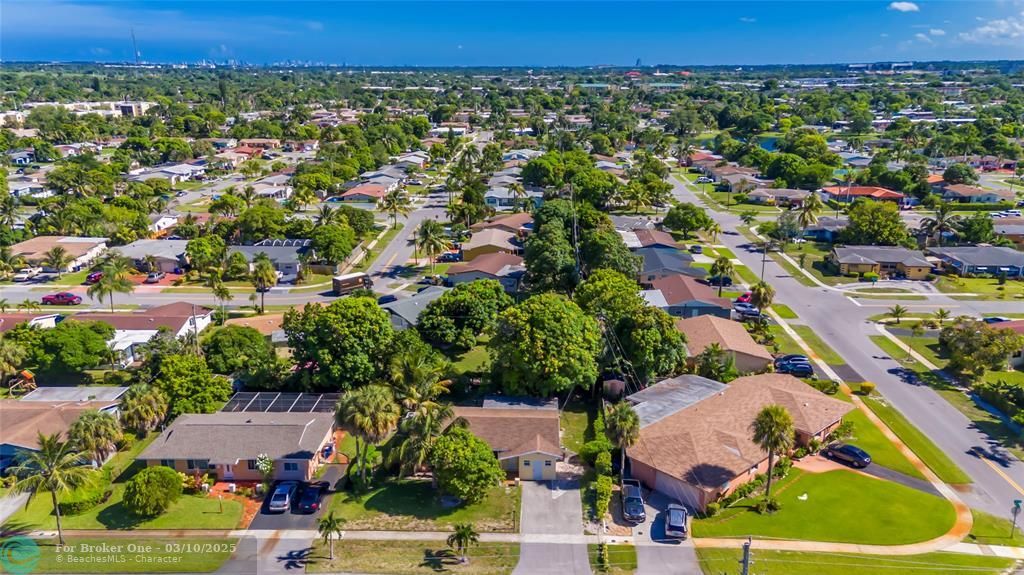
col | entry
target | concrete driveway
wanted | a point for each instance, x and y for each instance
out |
(657, 554)
(552, 508)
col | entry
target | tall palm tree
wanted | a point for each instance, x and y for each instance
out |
(55, 468)
(809, 210)
(369, 413)
(748, 217)
(944, 220)
(762, 294)
(418, 432)
(942, 315)
(249, 196)
(143, 408)
(713, 230)
(460, 540)
(433, 239)
(622, 425)
(115, 279)
(518, 197)
(221, 293)
(12, 354)
(396, 203)
(722, 267)
(95, 433)
(4, 304)
(772, 430)
(303, 196)
(325, 215)
(330, 526)
(8, 211)
(9, 262)
(57, 258)
(898, 312)
(264, 277)
(416, 377)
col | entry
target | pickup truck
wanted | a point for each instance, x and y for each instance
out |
(633, 501)
(25, 274)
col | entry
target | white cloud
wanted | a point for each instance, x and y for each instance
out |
(937, 32)
(1002, 31)
(923, 38)
(884, 35)
(904, 7)
(748, 19)
(315, 26)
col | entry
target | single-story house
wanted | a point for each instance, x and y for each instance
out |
(416, 159)
(507, 269)
(731, 336)
(488, 241)
(9, 321)
(227, 444)
(502, 198)
(684, 296)
(1016, 359)
(160, 223)
(661, 262)
(284, 254)
(648, 238)
(133, 329)
(992, 260)
(81, 250)
(21, 157)
(778, 196)
(522, 155)
(29, 189)
(405, 312)
(882, 260)
(272, 191)
(367, 193)
(851, 193)
(520, 223)
(168, 255)
(1010, 228)
(964, 193)
(827, 229)
(24, 420)
(740, 183)
(524, 439)
(262, 143)
(696, 447)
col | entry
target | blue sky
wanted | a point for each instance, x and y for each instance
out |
(513, 33)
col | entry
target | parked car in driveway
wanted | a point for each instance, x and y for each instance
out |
(312, 494)
(676, 521)
(283, 496)
(848, 454)
(724, 281)
(449, 257)
(61, 298)
(154, 277)
(744, 297)
(632, 495)
(796, 369)
(791, 358)
(25, 274)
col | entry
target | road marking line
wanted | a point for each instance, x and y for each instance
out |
(995, 468)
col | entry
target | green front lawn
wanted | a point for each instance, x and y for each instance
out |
(787, 345)
(411, 558)
(930, 349)
(991, 530)
(845, 507)
(820, 348)
(621, 559)
(413, 505)
(580, 423)
(145, 556)
(871, 439)
(719, 561)
(784, 311)
(986, 287)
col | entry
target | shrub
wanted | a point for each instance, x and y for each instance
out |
(782, 467)
(800, 453)
(767, 505)
(870, 277)
(602, 495)
(712, 509)
(813, 446)
(592, 449)
(603, 463)
(866, 388)
(844, 431)
(152, 491)
(193, 483)
(826, 386)
(93, 493)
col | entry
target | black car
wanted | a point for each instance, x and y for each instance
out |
(633, 502)
(676, 521)
(793, 357)
(449, 257)
(849, 454)
(796, 369)
(387, 299)
(724, 281)
(312, 493)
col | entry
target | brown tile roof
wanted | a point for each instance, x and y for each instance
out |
(35, 248)
(655, 238)
(372, 190)
(12, 320)
(708, 443)
(516, 431)
(511, 222)
(679, 288)
(702, 331)
(24, 420)
(487, 263)
(965, 191)
(864, 191)
(265, 324)
(172, 316)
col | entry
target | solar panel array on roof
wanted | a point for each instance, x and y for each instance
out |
(270, 401)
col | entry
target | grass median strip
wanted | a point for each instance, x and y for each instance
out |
(411, 558)
(820, 348)
(621, 559)
(784, 311)
(802, 563)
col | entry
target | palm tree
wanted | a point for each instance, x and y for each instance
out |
(264, 277)
(748, 217)
(416, 377)
(897, 312)
(249, 196)
(762, 294)
(4, 304)
(12, 354)
(328, 526)
(143, 408)
(772, 430)
(9, 262)
(623, 428)
(95, 433)
(369, 413)
(460, 540)
(943, 221)
(116, 272)
(518, 196)
(433, 239)
(809, 210)
(418, 432)
(396, 203)
(150, 263)
(55, 468)
(325, 215)
(721, 268)
(29, 306)
(215, 281)
(941, 315)
(303, 196)
(8, 211)
(57, 258)
(713, 230)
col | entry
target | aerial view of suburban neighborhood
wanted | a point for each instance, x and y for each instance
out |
(493, 288)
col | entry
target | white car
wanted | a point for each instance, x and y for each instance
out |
(25, 274)
(704, 180)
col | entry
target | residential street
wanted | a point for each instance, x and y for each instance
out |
(552, 508)
(842, 324)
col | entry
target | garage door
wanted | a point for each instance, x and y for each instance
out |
(678, 490)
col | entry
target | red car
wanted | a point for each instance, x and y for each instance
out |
(745, 298)
(62, 298)
(93, 277)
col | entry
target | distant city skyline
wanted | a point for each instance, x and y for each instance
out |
(512, 33)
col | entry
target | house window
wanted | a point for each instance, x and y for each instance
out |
(200, 464)
(526, 463)
(288, 466)
(251, 464)
(167, 463)
(190, 463)
(547, 463)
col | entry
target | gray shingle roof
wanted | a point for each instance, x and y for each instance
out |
(880, 254)
(984, 256)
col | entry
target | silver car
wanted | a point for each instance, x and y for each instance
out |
(676, 521)
(281, 500)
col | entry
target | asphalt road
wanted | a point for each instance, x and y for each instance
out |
(842, 323)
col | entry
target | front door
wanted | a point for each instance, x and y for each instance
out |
(229, 472)
(538, 470)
